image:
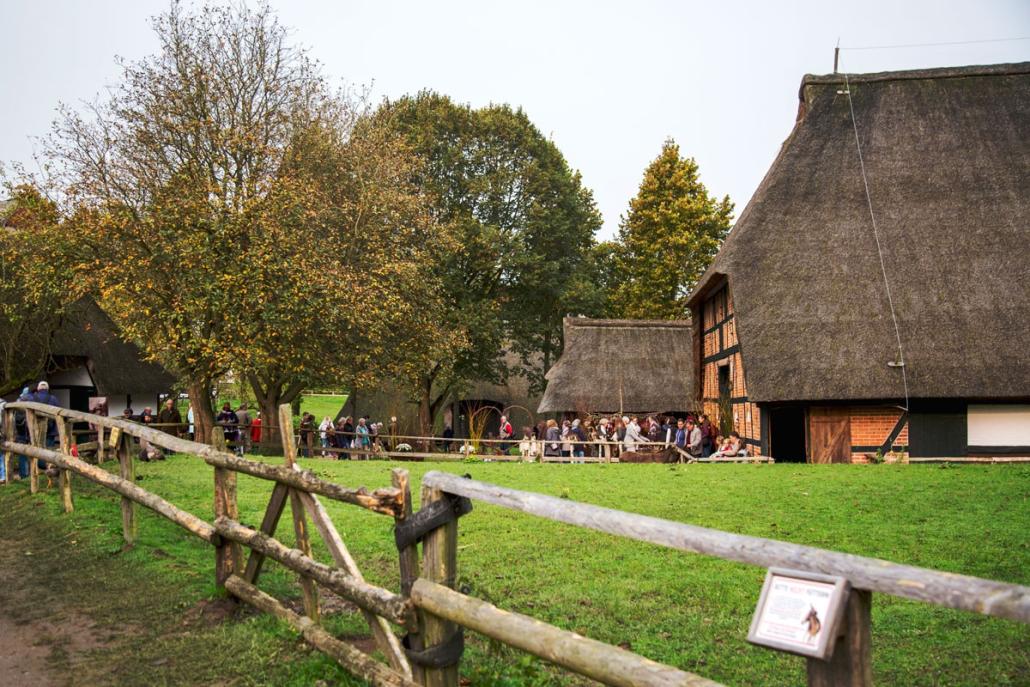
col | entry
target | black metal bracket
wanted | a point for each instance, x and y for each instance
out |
(435, 515)
(442, 655)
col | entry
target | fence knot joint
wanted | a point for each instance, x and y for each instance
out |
(443, 655)
(433, 516)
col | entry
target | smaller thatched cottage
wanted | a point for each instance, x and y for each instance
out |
(88, 359)
(622, 366)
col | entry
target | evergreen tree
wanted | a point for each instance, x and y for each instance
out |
(667, 239)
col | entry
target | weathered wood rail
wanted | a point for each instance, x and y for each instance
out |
(427, 606)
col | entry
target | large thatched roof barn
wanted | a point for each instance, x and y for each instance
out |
(621, 366)
(795, 337)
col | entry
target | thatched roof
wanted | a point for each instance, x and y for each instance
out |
(649, 359)
(947, 156)
(117, 367)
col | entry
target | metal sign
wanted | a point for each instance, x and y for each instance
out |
(799, 612)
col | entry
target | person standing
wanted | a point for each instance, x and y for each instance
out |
(362, 441)
(633, 435)
(693, 438)
(504, 434)
(552, 440)
(40, 395)
(604, 435)
(707, 437)
(681, 435)
(189, 419)
(227, 420)
(579, 446)
(307, 434)
(170, 418)
(255, 429)
(243, 422)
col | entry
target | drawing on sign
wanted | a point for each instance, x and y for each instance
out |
(812, 620)
(798, 612)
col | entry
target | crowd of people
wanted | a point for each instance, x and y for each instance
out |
(334, 437)
(572, 439)
(606, 437)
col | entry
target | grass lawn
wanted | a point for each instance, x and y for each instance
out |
(321, 405)
(686, 610)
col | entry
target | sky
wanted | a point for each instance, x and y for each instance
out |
(608, 82)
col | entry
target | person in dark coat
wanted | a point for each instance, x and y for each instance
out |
(226, 419)
(171, 418)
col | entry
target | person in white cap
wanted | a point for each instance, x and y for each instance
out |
(42, 395)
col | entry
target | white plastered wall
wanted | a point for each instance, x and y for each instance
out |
(998, 425)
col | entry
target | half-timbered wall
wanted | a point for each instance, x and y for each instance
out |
(720, 350)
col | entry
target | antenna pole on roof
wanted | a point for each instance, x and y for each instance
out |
(836, 55)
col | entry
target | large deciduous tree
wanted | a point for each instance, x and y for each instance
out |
(236, 219)
(667, 239)
(523, 223)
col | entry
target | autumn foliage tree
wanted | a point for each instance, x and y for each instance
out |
(523, 224)
(667, 239)
(234, 219)
(36, 284)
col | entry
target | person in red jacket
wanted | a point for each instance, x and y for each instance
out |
(255, 429)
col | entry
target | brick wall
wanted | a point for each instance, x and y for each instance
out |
(870, 427)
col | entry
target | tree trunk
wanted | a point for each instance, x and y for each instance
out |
(199, 392)
(425, 412)
(269, 399)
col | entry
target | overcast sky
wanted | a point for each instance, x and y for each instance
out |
(608, 81)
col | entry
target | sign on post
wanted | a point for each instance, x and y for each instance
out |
(799, 612)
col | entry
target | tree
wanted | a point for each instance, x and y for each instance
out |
(234, 220)
(667, 239)
(36, 284)
(523, 223)
(343, 262)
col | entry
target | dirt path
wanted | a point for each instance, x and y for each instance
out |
(40, 643)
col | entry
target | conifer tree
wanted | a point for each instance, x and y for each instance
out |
(667, 239)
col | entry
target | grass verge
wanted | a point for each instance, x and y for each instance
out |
(682, 609)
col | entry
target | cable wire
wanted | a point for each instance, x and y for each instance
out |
(876, 236)
(932, 45)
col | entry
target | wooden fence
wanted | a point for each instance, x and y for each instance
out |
(427, 607)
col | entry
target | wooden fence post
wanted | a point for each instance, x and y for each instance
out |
(8, 456)
(65, 480)
(34, 439)
(228, 555)
(101, 449)
(300, 523)
(127, 471)
(852, 661)
(408, 564)
(440, 565)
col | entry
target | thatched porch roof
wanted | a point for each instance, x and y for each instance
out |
(632, 366)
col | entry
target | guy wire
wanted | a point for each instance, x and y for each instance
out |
(876, 236)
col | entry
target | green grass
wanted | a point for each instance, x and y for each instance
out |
(686, 610)
(321, 405)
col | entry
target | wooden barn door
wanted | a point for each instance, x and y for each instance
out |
(829, 431)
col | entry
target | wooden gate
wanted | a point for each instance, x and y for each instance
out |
(829, 432)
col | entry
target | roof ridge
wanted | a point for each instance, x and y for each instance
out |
(1003, 69)
(625, 323)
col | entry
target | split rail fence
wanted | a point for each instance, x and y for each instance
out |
(427, 606)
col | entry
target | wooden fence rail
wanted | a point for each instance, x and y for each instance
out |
(950, 590)
(597, 660)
